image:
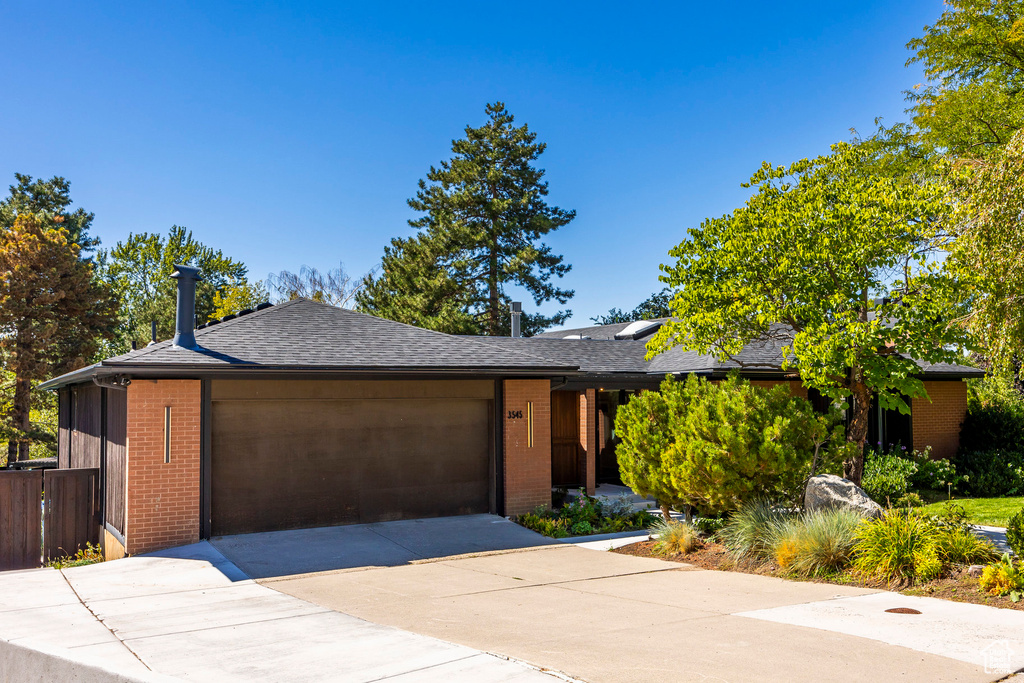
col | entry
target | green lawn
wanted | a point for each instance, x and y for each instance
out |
(984, 511)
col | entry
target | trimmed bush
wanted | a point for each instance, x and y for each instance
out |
(585, 515)
(1015, 533)
(674, 538)
(753, 531)
(901, 546)
(817, 543)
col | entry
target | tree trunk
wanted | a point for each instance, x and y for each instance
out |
(21, 408)
(666, 512)
(853, 469)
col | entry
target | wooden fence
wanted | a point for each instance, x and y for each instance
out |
(47, 514)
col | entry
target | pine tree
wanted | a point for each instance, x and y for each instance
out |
(48, 201)
(485, 215)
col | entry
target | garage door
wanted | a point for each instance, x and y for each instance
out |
(287, 464)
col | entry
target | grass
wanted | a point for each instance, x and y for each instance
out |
(984, 511)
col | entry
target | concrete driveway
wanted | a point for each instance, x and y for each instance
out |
(601, 616)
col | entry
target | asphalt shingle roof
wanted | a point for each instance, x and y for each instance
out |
(307, 334)
(304, 335)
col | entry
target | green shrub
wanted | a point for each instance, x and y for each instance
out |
(886, 476)
(585, 515)
(995, 414)
(934, 474)
(908, 500)
(900, 546)
(960, 546)
(817, 543)
(752, 532)
(992, 473)
(1015, 533)
(674, 538)
(1004, 577)
(715, 446)
(709, 526)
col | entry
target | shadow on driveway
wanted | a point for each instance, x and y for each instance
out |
(385, 544)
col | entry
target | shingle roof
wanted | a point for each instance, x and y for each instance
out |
(309, 334)
(306, 336)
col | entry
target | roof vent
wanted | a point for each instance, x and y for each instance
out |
(244, 311)
(638, 330)
(265, 304)
(185, 313)
(576, 336)
(229, 316)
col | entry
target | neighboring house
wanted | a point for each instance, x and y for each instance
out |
(303, 414)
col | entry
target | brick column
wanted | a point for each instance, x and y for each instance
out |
(588, 439)
(527, 465)
(936, 420)
(162, 498)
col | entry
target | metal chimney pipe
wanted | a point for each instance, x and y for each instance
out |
(517, 312)
(185, 313)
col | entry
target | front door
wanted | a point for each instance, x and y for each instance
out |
(565, 439)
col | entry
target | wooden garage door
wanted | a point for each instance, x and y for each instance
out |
(287, 464)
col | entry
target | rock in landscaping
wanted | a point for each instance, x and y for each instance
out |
(827, 491)
(975, 571)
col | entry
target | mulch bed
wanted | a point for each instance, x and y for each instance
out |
(959, 587)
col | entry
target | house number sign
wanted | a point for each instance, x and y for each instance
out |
(515, 415)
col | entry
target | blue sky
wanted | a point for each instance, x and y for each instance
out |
(293, 133)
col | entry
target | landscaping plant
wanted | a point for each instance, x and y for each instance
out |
(1015, 533)
(1004, 577)
(960, 546)
(992, 473)
(674, 538)
(817, 543)
(90, 554)
(900, 546)
(752, 532)
(716, 445)
(887, 476)
(585, 515)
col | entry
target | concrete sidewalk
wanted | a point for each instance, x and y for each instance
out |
(192, 615)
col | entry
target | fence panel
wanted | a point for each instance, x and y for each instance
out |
(71, 507)
(21, 530)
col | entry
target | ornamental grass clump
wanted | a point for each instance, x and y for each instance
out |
(753, 531)
(960, 546)
(817, 543)
(674, 538)
(899, 547)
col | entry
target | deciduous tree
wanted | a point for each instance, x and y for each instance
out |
(139, 270)
(53, 313)
(973, 57)
(335, 287)
(838, 261)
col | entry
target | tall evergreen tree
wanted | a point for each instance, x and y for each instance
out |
(49, 201)
(484, 216)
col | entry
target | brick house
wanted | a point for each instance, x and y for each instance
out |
(303, 414)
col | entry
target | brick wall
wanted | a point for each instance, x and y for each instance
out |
(588, 439)
(162, 499)
(796, 387)
(936, 419)
(527, 468)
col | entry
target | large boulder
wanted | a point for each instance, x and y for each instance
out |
(827, 491)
